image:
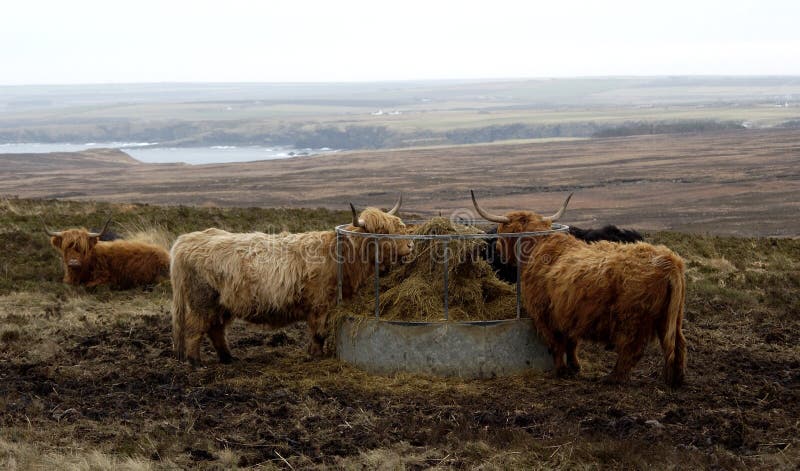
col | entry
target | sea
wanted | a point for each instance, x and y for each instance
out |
(150, 152)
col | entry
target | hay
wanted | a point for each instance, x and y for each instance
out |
(414, 290)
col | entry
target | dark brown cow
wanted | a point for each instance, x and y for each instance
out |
(619, 294)
(121, 264)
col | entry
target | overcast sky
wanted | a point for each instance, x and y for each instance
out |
(106, 41)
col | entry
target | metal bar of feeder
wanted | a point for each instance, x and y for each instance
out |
(446, 283)
(339, 263)
(517, 246)
(557, 228)
(377, 281)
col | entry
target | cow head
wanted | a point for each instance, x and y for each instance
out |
(375, 221)
(519, 221)
(76, 245)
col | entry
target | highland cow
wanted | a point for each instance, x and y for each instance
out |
(121, 264)
(608, 233)
(218, 276)
(619, 294)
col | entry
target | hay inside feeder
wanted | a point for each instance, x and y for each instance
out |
(414, 291)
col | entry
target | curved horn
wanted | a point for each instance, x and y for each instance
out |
(555, 217)
(486, 215)
(356, 221)
(49, 232)
(105, 228)
(396, 205)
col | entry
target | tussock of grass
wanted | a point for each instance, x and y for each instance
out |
(414, 291)
(20, 456)
(149, 232)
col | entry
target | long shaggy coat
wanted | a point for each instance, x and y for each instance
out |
(619, 294)
(120, 264)
(268, 279)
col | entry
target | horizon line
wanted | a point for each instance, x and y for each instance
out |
(409, 80)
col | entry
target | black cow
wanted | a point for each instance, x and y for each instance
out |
(106, 236)
(609, 233)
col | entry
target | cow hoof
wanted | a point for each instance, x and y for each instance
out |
(227, 358)
(565, 372)
(614, 380)
(315, 350)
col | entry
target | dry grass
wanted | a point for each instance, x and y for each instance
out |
(414, 291)
(88, 381)
(20, 456)
(149, 232)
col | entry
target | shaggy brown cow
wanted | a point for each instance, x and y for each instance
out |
(268, 279)
(619, 294)
(121, 264)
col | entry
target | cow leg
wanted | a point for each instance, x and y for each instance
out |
(316, 333)
(628, 355)
(197, 325)
(573, 362)
(217, 335)
(193, 338)
(203, 313)
(558, 348)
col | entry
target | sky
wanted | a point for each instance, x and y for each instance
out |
(88, 41)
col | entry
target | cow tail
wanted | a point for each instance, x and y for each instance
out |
(179, 303)
(674, 343)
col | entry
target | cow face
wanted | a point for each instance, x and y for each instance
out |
(516, 222)
(375, 221)
(76, 247)
(519, 221)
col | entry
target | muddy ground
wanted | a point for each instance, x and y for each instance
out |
(87, 379)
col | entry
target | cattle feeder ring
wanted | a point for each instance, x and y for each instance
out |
(466, 349)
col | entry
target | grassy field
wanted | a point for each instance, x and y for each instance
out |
(738, 183)
(291, 114)
(438, 117)
(87, 378)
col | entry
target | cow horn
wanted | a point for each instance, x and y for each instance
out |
(51, 233)
(356, 221)
(105, 228)
(396, 205)
(555, 217)
(486, 215)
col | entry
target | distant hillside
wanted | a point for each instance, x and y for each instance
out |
(392, 114)
(14, 164)
(742, 182)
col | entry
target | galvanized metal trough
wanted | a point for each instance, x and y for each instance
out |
(483, 349)
(478, 349)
